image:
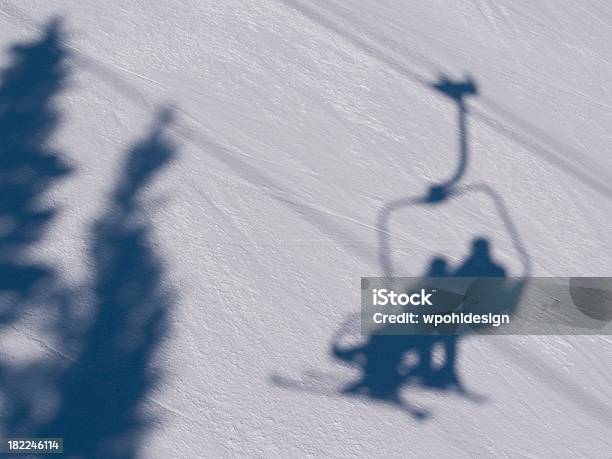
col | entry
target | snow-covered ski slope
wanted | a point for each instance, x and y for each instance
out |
(224, 172)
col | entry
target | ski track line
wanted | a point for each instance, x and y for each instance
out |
(159, 84)
(66, 358)
(391, 44)
(383, 56)
(202, 125)
(23, 16)
(150, 80)
(254, 256)
(43, 344)
(279, 192)
(505, 18)
(573, 392)
(490, 22)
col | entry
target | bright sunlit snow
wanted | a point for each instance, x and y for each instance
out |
(191, 192)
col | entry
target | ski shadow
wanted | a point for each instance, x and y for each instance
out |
(391, 363)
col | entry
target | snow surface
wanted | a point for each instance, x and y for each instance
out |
(226, 168)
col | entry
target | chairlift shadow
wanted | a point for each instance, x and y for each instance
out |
(380, 358)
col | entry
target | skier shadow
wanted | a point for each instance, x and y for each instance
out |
(389, 363)
(28, 166)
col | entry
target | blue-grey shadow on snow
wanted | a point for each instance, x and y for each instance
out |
(382, 359)
(29, 167)
(388, 364)
(506, 123)
(96, 369)
(102, 391)
(385, 370)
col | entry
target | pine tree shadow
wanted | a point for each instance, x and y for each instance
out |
(91, 388)
(28, 166)
(103, 390)
(98, 391)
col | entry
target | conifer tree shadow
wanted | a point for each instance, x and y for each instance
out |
(90, 388)
(28, 166)
(98, 391)
(101, 393)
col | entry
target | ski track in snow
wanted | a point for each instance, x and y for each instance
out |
(280, 202)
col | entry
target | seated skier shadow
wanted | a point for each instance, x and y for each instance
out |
(389, 363)
(382, 359)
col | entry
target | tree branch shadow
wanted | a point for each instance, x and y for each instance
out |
(90, 391)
